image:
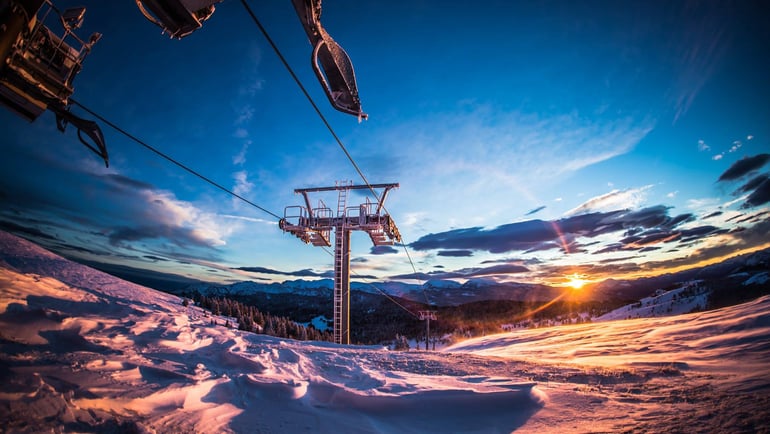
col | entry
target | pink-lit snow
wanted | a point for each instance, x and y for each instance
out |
(83, 351)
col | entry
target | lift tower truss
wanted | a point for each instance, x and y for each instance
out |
(314, 226)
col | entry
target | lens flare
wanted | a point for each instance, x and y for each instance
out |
(575, 281)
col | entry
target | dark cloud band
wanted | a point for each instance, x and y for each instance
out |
(744, 166)
(646, 225)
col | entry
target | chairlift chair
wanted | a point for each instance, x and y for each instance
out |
(37, 66)
(178, 18)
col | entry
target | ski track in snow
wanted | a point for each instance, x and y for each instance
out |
(85, 351)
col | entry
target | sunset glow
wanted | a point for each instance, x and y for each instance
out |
(575, 282)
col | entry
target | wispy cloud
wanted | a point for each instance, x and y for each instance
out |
(240, 158)
(245, 113)
(242, 184)
(703, 203)
(249, 219)
(615, 199)
(699, 51)
(737, 200)
(411, 219)
(491, 150)
(492, 155)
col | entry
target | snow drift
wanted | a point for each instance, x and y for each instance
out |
(85, 351)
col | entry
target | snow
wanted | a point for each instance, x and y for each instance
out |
(685, 299)
(84, 351)
(442, 284)
(757, 279)
(321, 323)
(705, 340)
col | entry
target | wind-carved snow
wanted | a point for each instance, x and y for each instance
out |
(84, 351)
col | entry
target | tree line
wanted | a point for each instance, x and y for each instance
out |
(251, 319)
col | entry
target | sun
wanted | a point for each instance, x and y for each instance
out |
(575, 281)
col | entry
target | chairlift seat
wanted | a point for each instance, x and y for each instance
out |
(178, 18)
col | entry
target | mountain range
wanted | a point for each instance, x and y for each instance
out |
(451, 293)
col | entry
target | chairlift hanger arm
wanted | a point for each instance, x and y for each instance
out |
(307, 203)
(90, 128)
(330, 62)
(381, 203)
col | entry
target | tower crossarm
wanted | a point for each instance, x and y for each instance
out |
(346, 187)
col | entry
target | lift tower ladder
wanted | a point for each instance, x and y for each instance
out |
(313, 226)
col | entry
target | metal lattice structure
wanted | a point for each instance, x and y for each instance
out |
(427, 315)
(313, 225)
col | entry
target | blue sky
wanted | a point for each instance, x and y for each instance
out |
(531, 141)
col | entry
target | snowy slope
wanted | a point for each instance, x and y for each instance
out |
(758, 278)
(713, 368)
(685, 299)
(96, 353)
(83, 351)
(734, 339)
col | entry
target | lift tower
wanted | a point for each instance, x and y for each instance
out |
(314, 225)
